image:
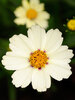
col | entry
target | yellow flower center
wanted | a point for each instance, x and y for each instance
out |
(31, 14)
(38, 59)
(71, 24)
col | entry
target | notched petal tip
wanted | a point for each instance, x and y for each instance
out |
(12, 38)
(42, 90)
(16, 85)
(2, 61)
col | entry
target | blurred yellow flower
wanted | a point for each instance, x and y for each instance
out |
(71, 24)
(31, 13)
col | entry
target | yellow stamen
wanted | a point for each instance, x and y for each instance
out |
(38, 59)
(31, 14)
(71, 24)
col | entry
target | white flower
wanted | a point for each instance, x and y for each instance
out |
(31, 13)
(37, 58)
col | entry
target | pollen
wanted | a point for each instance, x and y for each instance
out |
(71, 24)
(38, 59)
(31, 14)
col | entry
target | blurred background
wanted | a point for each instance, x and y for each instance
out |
(61, 11)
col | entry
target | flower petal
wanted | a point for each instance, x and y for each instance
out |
(43, 15)
(35, 35)
(54, 40)
(20, 21)
(11, 61)
(34, 1)
(42, 23)
(22, 77)
(25, 4)
(27, 42)
(19, 46)
(30, 23)
(47, 79)
(20, 12)
(38, 7)
(62, 53)
(58, 72)
(40, 80)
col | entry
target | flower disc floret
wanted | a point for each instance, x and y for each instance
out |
(38, 59)
(31, 14)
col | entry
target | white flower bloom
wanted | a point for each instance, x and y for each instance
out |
(31, 13)
(37, 58)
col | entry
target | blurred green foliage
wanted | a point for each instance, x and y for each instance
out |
(60, 11)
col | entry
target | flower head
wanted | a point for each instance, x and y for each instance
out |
(31, 13)
(71, 24)
(37, 58)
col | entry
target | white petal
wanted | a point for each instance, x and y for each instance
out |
(35, 4)
(37, 7)
(12, 61)
(62, 62)
(62, 54)
(43, 40)
(54, 40)
(62, 48)
(47, 79)
(20, 21)
(20, 12)
(43, 15)
(19, 46)
(58, 72)
(27, 42)
(29, 23)
(42, 23)
(34, 1)
(40, 80)
(22, 77)
(35, 34)
(25, 4)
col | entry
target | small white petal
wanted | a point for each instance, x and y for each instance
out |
(20, 21)
(14, 62)
(65, 54)
(34, 1)
(43, 40)
(38, 7)
(27, 42)
(43, 15)
(62, 62)
(22, 77)
(20, 12)
(35, 35)
(61, 48)
(42, 23)
(40, 80)
(25, 4)
(30, 23)
(47, 79)
(18, 45)
(58, 72)
(54, 40)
